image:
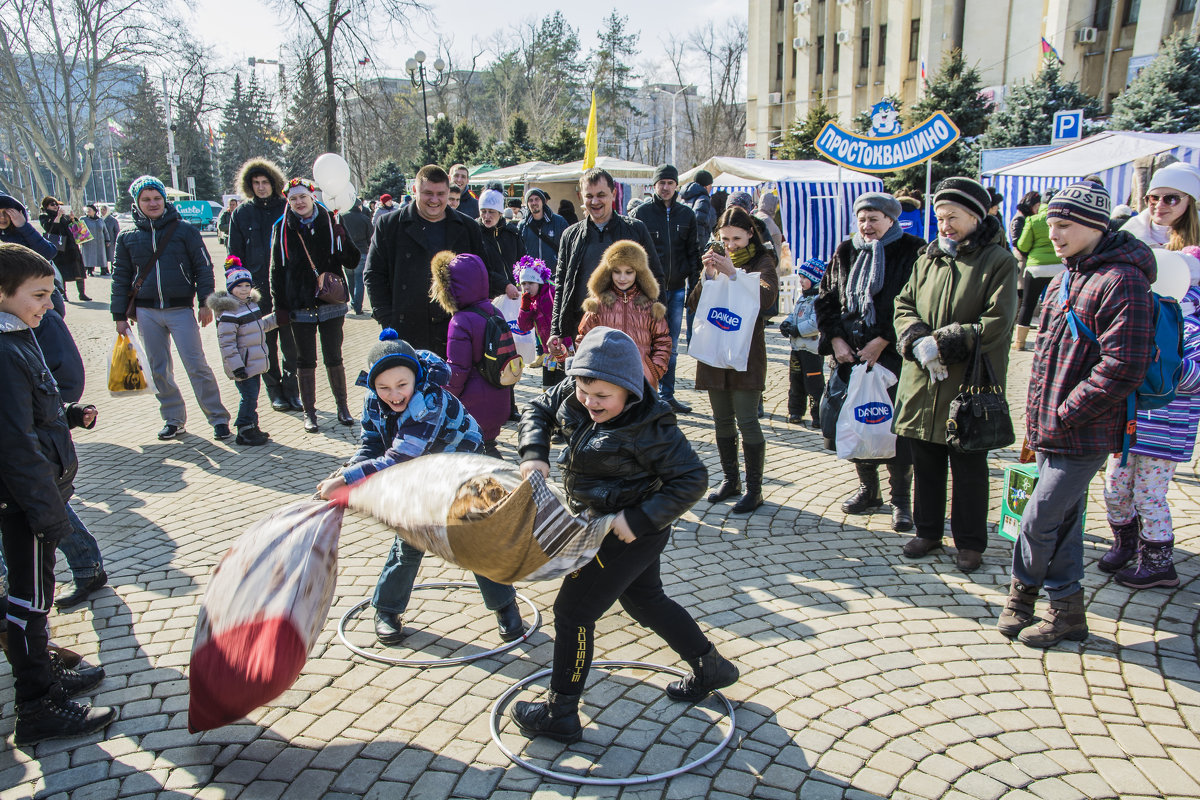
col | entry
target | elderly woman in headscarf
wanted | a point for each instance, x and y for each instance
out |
(854, 318)
(962, 294)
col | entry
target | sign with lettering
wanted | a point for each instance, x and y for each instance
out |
(887, 153)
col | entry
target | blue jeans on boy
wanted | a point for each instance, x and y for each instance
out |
(400, 573)
(79, 547)
(674, 298)
(1049, 549)
(247, 416)
(355, 279)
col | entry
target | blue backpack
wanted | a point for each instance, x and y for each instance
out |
(1166, 363)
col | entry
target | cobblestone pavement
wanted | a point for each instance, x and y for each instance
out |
(864, 674)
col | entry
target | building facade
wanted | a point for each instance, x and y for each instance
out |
(851, 53)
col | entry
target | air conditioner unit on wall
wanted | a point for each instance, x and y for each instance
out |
(1087, 35)
(775, 98)
(843, 37)
(800, 7)
(799, 43)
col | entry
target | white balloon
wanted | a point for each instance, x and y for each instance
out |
(342, 201)
(1174, 276)
(331, 172)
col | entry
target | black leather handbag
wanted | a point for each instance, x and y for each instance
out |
(831, 406)
(979, 419)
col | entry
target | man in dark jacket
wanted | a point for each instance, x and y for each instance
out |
(672, 225)
(357, 223)
(502, 245)
(164, 303)
(114, 229)
(696, 196)
(262, 183)
(1094, 344)
(397, 274)
(541, 228)
(468, 203)
(584, 243)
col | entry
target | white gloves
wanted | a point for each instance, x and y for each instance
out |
(926, 350)
(937, 370)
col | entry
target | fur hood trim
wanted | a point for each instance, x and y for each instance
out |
(625, 253)
(439, 282)
(260, 166)
(221, 301)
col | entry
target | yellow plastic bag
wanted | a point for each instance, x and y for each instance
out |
(128, 369)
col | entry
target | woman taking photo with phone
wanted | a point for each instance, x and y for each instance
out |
(56, 221)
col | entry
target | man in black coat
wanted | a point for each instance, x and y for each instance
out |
(357, 223)
(250, 224)
(672, 225)
(584, 243)
(403, 245)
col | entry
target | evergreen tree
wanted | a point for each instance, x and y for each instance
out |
(1028, 114)
(247, 130)
(612, 76)
(302, 130)
(953, 89)
(195, 158)
(437, 148)
(797, 141)
(516, 149)
(566, 145)
(466, 145)
(386, 178)
(143, 151)
(556, 73)
(1165, 97)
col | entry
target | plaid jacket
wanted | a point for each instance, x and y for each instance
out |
(1077, 388)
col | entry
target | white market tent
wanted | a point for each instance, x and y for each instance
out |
(1109, 154)
(517, 173)
(562, 182)
(808, 193)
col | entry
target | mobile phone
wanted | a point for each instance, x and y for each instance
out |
(716, 247)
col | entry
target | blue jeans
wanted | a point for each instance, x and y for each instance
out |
(674, 301)
(79, 547)
(248, 409)
(400, 573)
(1049, 549)
(355, 278)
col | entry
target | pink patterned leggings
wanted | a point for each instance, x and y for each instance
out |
(1140, 489)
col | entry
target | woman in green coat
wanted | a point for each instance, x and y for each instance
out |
(962, 287)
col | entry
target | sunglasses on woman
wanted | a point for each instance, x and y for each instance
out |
(1165, 199)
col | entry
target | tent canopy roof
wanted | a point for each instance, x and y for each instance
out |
(755, 170)
(514, 174)
(618, 168)
(1097, 153)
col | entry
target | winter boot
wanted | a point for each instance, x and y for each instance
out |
(900, 480)
(57, 716)
(75, 681)
(557, 717)
(1154, 567)
(290, 390)
(814, 411)
(509, 621)
(82, 294)
(1018, 609)
(1124, 546)
(337, 384)
(1064, 620)
(866, 500)
(308, 396)
(276, 398)
(252, 436)
(83, 590)
(710, 672)
(756, 455)
(727, 447)
(1022, 333)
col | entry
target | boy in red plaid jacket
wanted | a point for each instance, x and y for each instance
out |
(1075, 413)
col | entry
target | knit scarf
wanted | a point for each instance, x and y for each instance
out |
(741, 258)
(866, 274)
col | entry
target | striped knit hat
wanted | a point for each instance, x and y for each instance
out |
(965, 192)
(146, 182)
(1086, 202)
(813, 269)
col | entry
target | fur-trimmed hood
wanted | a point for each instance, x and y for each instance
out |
(601, 290)
(458, 282)
(221, 301)
(260, 166)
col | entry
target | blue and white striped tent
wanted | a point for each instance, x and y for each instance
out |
(1110, 155)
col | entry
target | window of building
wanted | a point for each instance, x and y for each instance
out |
(1102, 15)
(864, 48)
(914, 40)
(820, 55)
(779, 8)
(1185, 6)
(837, 56)
(1132, 7)
(794, 62)
(882, 44)
(779, 61)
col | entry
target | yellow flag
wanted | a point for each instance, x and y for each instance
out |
(591, 143)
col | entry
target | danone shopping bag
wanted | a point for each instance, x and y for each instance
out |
(525, 341)
(266, 604)
(864, 428)
(725, 320)
(128, 369)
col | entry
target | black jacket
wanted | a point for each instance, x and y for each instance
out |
(293, 281)
(639, 462)
(39, 463)
(69, 258)
(468, 205)
(250, 239)
(698, 199)
(62, 356)
(502, 247)
(899, 258)
(675, 239)
(397, 276)
(357, 223)
(569, 276)
(183, 273)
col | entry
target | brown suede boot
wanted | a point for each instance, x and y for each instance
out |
(1019, 337)
(307, 377)
(1064, 620)
(1018, 610)
(337, 385)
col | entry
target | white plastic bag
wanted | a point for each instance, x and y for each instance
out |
(864, 428)
(725, 320)
(526, 341)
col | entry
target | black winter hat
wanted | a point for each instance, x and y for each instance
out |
(665, 172)
(967, 193)
(392, 351)
(704, 178)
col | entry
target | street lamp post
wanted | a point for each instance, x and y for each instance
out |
(674, 97)
(420, 79)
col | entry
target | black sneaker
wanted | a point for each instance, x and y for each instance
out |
(56, 716)
(170, 432)
(75, 681)
(252, 437)
(221, 432)
(83, 590)
(680, 408)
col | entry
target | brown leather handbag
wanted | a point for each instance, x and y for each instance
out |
(331, 289)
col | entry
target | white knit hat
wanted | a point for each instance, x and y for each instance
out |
(1179, 176)
(492, 200)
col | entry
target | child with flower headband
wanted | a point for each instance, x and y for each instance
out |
(537, 310)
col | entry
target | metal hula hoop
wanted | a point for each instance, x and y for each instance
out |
(567, 777)
(425, 663)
